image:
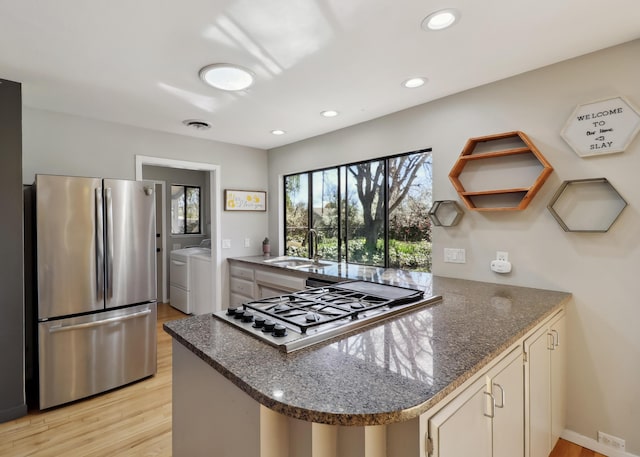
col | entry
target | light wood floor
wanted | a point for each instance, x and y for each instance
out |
(568, 449)
(131, 421)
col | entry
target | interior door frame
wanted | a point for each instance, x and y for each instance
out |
(214, 211)
(163, 239)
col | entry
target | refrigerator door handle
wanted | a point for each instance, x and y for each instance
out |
(111, 320)
(99, 246)
(109, 241)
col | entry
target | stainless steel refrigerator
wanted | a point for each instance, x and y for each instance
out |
(96, 285)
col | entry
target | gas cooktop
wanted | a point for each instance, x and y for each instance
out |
(301, 319)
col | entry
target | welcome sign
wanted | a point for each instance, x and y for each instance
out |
(602, 127)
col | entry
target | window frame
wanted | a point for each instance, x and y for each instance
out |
(184, 225)
(342, 224)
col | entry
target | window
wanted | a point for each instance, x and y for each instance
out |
(372, 213)
(185, 210)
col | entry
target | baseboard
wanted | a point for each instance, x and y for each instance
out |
(13, 413)
(592, 444)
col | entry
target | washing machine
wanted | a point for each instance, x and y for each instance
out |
(190, 280)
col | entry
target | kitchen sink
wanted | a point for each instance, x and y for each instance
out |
(298, 263)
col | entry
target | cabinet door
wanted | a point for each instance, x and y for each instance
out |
(507, 387)
(461, 428)
(538, 394)
(545, 387)
(558, 379)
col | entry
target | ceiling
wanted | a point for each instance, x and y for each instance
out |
(136, 62)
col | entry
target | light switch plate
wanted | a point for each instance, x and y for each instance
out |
(226, 244)
(455, 255)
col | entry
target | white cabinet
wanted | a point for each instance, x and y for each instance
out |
(545, 387)
(487, 418)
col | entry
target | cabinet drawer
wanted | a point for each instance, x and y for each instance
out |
(241, 272)
(236, 300)
(242, 287)
(279, 281)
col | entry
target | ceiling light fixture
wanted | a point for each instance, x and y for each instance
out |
(225, 76)
(412, 83)
(441, 20)
(278, 132)
(329, 113)
(197, 124)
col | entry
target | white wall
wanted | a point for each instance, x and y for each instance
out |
(57, 143)
(601, 270)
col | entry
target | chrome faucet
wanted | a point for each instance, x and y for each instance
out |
(313, 248)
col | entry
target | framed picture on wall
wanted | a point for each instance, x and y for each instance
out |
(245, 200)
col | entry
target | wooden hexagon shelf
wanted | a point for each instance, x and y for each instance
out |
(509, 158)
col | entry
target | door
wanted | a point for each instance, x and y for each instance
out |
(538, 404)
(69, 245)
(85, 355)
(558, 378)
(130, 233)
(508, 423)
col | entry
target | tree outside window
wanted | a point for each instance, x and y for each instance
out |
(185, 210)
(372, 213)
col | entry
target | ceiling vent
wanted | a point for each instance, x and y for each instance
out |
(197, 124)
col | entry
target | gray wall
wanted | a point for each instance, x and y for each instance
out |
(12, 384)
(58, 143)
(600, 269)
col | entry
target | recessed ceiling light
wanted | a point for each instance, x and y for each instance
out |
(441, 20)
(197, 124)
(226, 76)
(329, 113)
(412, 83)
(278, 132)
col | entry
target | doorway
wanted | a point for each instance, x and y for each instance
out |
(214, 211)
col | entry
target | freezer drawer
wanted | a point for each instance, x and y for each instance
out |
(86, 355)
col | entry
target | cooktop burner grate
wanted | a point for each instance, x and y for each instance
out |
(314, 307)
(301, 319)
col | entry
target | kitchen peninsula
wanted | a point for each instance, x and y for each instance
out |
(380, 392)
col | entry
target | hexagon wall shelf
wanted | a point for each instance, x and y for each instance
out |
(507, 158)
(586, 205)
(445, 213)
(602, 127)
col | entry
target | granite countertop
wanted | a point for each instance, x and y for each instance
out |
(390, 372)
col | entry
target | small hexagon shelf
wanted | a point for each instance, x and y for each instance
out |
(586, 205)
(602, 127)
(509, 158)
(445, 213)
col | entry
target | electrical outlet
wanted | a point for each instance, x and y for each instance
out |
(611, 441)
(502, 255)
(226, 244)
(455, 255)
(247, 242)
